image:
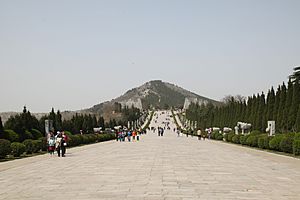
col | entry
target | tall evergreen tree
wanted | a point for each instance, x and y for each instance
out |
(253, 111)
(280, 114)
(261, 111)
(270, 105)
(58, 121)
(288, 104)
(101, 122)
(297, 122)
(95, 122)
(90, 123)
(277, 102)
(52, 116)
(1, 126)
(248, 110)
(294, 107)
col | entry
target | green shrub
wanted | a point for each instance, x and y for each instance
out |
(215, 135)
(36, 134)
(252, 141)
(105, 137)
(37, 146)
(243, 139)
(236, 139)
(297, 136)
(230, 136)
(275, 142)
(28, 135)
(296, 147)
(29, 148)
(94, 138)
(263, 142)
(74, 140)
(81, 140)
(68, 133)
(85, 139)
(255, 132)
(286, 144)
(219, 136)
(226, 137)
(44, 143)
(17, 149)
(267, 142)
(4, 148)
(91, 138)
(11, 135)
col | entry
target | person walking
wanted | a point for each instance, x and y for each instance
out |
(138, 135)
(199, 134)
(178, 132)
(209, 133)
(133, 135)
(58, 140)
(51, 144)
(129, 136)
(64, 143)
(123, 135)
(117, 135)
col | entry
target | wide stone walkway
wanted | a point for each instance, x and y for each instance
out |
(168, 167)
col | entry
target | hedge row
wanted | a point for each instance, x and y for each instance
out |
(30, 146)
(12, 136)
(149, 121)
(175, 120)
(288, 143)
(76, 140)
(217, 136)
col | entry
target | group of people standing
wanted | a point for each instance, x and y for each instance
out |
(131, 135)
(57, 143)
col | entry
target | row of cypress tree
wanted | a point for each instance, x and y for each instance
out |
(283, 106)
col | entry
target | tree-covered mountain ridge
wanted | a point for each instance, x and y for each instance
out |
(155, 94)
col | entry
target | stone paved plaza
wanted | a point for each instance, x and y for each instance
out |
(168, 167)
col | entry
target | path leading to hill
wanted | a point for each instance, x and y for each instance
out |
(155, 168)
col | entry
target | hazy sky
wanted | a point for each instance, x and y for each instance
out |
(71, 54)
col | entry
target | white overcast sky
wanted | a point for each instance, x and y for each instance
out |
(71, 54)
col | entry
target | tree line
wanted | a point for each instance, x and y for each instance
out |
(26, 126)
(283, 106)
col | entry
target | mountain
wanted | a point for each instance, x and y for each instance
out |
(157, 94)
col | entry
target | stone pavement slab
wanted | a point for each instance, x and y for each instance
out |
(167, 167)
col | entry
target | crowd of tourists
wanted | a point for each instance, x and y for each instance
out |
(129, 135)
(57, 143)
